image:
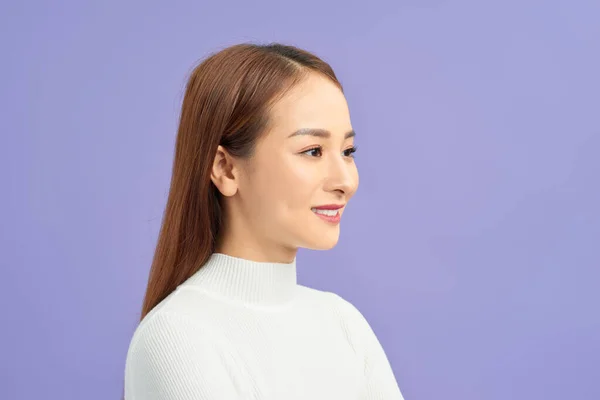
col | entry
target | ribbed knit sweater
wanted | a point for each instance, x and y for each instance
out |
(240, 329)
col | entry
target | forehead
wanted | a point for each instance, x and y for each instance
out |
(316, 102)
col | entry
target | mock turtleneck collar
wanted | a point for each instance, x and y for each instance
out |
(245, 281)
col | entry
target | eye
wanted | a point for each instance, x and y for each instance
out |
(314, 152)
(350, 152)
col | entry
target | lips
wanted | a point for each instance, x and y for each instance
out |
(329, 213)
(329, 207)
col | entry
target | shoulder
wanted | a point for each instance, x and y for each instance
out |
(173, 355)
(162, 323)
(163, 333)
(169, 332)
(166, 320)
(173, 326)
(347, 313)
(333, 300)
(381, 382)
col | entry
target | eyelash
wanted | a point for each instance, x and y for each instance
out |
(350, 150)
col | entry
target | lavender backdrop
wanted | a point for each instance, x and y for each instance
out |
(471, 246)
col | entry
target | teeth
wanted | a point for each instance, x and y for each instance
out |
(329, 213)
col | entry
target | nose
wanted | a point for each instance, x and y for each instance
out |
(342, 177)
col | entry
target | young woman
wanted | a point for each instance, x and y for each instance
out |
(263, 166)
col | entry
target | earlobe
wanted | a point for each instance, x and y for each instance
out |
(222, 174)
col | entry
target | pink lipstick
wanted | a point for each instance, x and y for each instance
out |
(328, 213)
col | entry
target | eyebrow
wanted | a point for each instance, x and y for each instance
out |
(322, 133)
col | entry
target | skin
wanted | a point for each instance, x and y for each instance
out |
(268, 197)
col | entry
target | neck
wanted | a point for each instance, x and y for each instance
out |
(270, 254)
(239, 241)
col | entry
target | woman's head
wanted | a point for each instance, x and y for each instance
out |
(264, 139)
(269, 198)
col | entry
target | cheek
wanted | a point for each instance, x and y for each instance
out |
(281, 185)
(302, 181)
(292, 186)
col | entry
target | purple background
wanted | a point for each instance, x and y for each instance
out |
(471, 245)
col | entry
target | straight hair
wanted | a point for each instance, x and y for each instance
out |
(226, 102)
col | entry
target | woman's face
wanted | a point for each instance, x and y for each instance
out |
(302, 164)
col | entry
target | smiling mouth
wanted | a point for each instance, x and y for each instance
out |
(330, 213)
(330, 216)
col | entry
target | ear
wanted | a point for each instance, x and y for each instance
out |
(224, 173)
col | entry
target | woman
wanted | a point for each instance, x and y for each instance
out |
(263, 166)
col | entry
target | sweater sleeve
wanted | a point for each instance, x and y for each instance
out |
(380, 381)
(172, 358)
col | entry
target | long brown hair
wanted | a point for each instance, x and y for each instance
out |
(226, 102)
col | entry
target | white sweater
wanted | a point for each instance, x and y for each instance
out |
(240, 329)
